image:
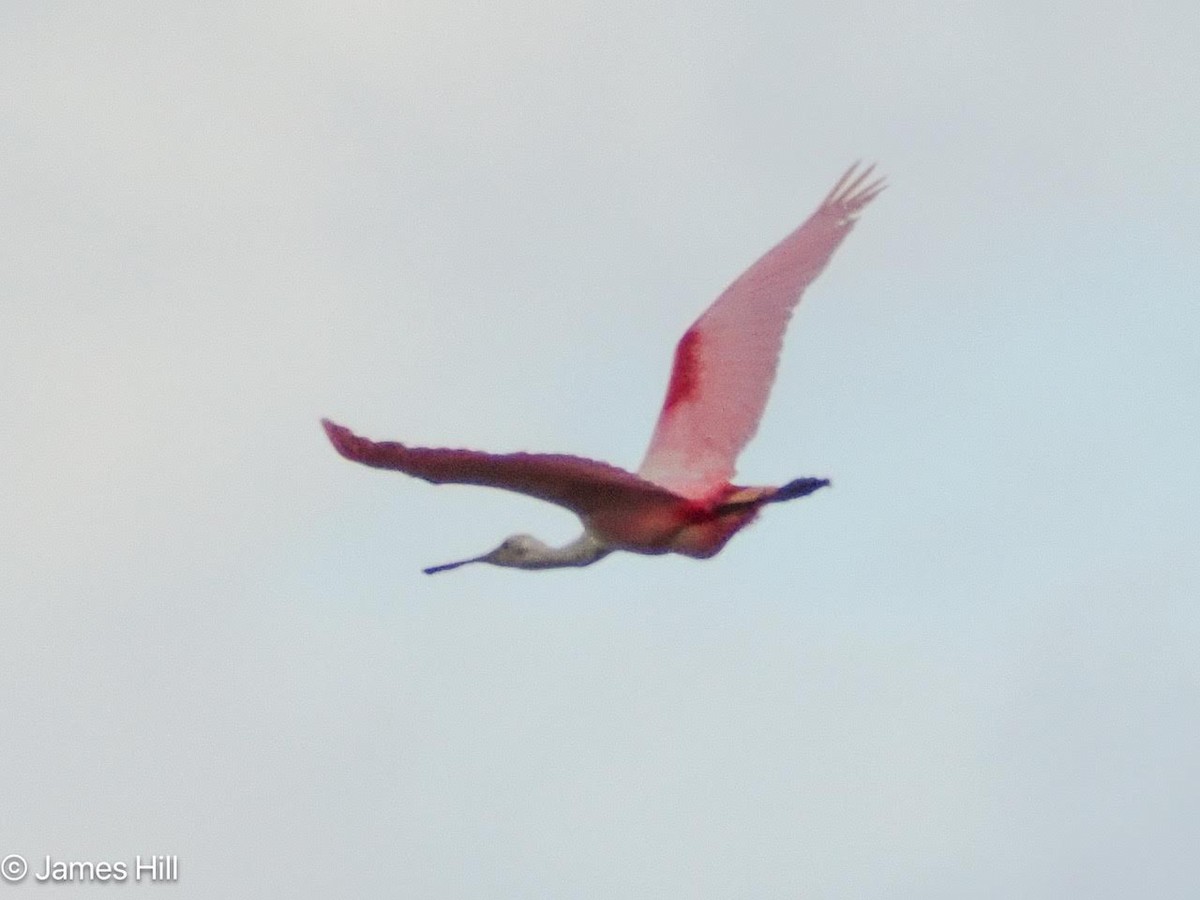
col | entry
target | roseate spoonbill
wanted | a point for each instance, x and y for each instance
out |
(680, 500)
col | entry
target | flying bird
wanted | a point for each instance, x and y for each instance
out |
(681, 499)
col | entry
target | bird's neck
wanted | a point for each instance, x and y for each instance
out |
(583, 551)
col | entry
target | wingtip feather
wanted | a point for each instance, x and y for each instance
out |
(854, 191)
(341, 437)
(841, 183)
(858, 180)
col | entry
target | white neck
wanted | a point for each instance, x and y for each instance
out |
(583, 551)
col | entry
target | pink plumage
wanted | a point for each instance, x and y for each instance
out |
(584, 486)
(725, 363)
(681, 500)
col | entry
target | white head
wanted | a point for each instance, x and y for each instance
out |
(521, 551)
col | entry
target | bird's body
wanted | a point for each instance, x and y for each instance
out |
(681, 500)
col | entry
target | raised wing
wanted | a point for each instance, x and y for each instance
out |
(584, 486)
(725, 363)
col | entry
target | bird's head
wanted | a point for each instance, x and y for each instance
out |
(521, 551)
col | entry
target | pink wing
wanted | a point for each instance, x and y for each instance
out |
(584, 486)
(725, 363)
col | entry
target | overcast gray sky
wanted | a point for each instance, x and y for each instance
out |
(968, 670)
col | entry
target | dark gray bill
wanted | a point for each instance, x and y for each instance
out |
(446, 567)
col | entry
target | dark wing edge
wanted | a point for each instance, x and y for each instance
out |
(584, 486)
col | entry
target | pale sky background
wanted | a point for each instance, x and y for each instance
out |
(969, 670)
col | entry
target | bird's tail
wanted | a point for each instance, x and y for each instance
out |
(800, 487)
